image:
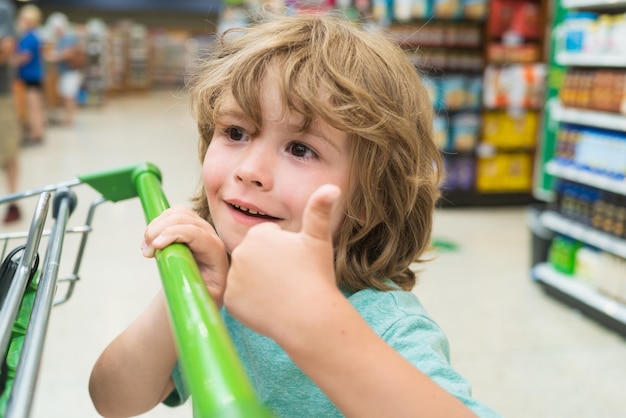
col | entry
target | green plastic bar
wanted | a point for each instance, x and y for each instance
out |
(212, 370)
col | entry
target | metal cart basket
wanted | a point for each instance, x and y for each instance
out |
(211, 368)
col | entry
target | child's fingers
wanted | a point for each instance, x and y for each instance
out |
(176, 233)
(317, 217)
(175, 224)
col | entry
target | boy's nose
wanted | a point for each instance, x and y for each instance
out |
(255, 167)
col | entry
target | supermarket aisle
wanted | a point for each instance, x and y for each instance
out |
(525, 354)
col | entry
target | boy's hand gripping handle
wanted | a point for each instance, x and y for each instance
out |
(211, 368)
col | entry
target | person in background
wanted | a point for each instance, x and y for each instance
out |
(29, 59)
(320, 178)
(10, 132)
(70, 77)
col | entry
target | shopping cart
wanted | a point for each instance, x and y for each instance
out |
(213, 373)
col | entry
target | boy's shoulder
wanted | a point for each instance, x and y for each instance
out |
(384, 308)
(393, 299)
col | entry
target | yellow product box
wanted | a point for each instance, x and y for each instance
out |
(504, 130)
(504, 173)
(447, 9)
(475, 9)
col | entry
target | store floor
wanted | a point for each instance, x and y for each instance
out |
(525, 354)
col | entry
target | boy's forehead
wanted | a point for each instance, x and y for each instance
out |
(272, 107)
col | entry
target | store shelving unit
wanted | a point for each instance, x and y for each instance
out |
(583, 233)
(488, 146)
(446, 47)
(94, 84)
(607, 309)
(599, 181)
(514, 79)
(587, 117)
(139, 73)
(598, 60)
(594, 4)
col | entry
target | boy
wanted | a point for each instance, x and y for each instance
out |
(320, 178)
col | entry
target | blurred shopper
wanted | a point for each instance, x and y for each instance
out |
(31, 70)
(67, 55)
(9, 126)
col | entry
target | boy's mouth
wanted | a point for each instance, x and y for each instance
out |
(253, 213)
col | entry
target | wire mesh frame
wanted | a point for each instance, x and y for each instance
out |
(63, 202)
(217, 380)
(84, 230)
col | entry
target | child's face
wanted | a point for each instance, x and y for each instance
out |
(267, 176)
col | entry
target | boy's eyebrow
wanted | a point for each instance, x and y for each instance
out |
(324, 134)
(323, 137)
(231, 112)
(237, 113)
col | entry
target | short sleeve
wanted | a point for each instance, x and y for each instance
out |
(399, 318)
(180, 394)
(420, 340)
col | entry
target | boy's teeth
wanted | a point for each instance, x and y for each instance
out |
(250, 211)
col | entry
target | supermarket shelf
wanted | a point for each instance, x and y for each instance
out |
(605, 120)
(591, 60)
(487, 150)
(451, 153)
(608, 311)
(573, 173)
(594, 4)
(456, 198)
(583, 233)
(462, 199)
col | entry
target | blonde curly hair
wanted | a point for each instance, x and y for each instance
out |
(372, 92)
(31, 13)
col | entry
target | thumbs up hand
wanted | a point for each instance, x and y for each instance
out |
(276, 277)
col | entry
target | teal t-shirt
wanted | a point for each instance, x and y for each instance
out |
(397, 316)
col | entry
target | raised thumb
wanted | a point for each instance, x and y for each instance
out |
(317, 218)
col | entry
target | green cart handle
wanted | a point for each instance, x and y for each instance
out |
(212, 370)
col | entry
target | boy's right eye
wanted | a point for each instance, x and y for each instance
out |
(234, 133)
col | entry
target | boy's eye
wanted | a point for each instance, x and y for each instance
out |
(234, 133)
(301, 150)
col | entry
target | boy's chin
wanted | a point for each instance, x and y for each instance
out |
(231, 244)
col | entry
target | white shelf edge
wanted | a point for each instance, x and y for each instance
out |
(583, 233)
(610, 307)
(593, 4)
(612, 121)
(591, 60)
(570, 172)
